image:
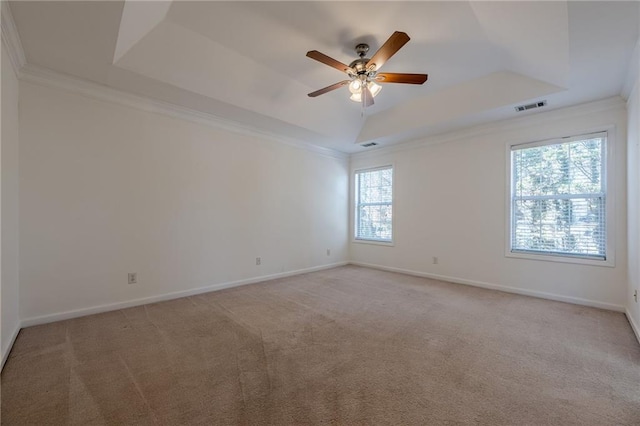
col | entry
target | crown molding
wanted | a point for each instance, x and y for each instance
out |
(49, 78)
(632, 73)
(537, 119)
(11, 39)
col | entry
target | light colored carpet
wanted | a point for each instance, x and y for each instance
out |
(349, 345)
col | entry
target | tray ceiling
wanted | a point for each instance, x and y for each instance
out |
(245, 61)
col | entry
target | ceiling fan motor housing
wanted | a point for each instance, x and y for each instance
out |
(360, 64)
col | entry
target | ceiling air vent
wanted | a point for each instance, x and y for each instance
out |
(531, 106)
(367, 145)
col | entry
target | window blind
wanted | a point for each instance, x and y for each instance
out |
(374, 204)
(558, 197)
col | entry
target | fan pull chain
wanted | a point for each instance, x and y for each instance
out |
(363, 95)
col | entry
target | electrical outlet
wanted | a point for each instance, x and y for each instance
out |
(435, 260)
(133, 278)
(328, 252)
(258, 261)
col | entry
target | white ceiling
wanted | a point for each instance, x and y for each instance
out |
(245, 61)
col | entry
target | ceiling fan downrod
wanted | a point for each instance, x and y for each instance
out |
(360, 65)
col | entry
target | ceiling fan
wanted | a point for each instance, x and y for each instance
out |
(363, 72)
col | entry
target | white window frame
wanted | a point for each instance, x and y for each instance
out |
(355, 210)
(609, 192)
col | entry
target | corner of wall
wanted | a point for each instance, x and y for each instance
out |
(632, 73)
(11, 39)
(7, 350)
(634, 325)
(632, 88)
(13, 54)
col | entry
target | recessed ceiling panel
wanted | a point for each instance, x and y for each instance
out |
(74, 37)
(245, 61)
(210, 69)
(534, 34)
(486, 93)
(138, 19)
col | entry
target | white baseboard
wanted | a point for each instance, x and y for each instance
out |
(634, 326)
(7, 351)
(44, 319)
(507, 289)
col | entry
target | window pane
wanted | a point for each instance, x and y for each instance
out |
(566, 168)
(375, 186)
(572, 226)
(375, 222)
(558, 198)
(585, 169)
(374, 204)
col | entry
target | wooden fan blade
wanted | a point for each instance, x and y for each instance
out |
(393, 77)
(388, 49)
(321, 57)
(328, 89)
(367, 97)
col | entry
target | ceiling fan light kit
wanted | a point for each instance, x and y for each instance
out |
(363, 72)
(357, 86)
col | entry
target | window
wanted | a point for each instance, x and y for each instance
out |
(558, 197)
(374, 204)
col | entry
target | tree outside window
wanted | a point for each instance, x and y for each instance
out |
(374, 204)
(558, 197)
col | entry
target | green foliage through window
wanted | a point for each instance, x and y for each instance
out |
(558, 199)
(374, 204)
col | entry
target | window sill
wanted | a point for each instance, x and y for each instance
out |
(373, 242)
(609, 262)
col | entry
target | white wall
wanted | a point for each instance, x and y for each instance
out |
(107, 189)
(449, 202)
(9, 155)
(633, 184)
